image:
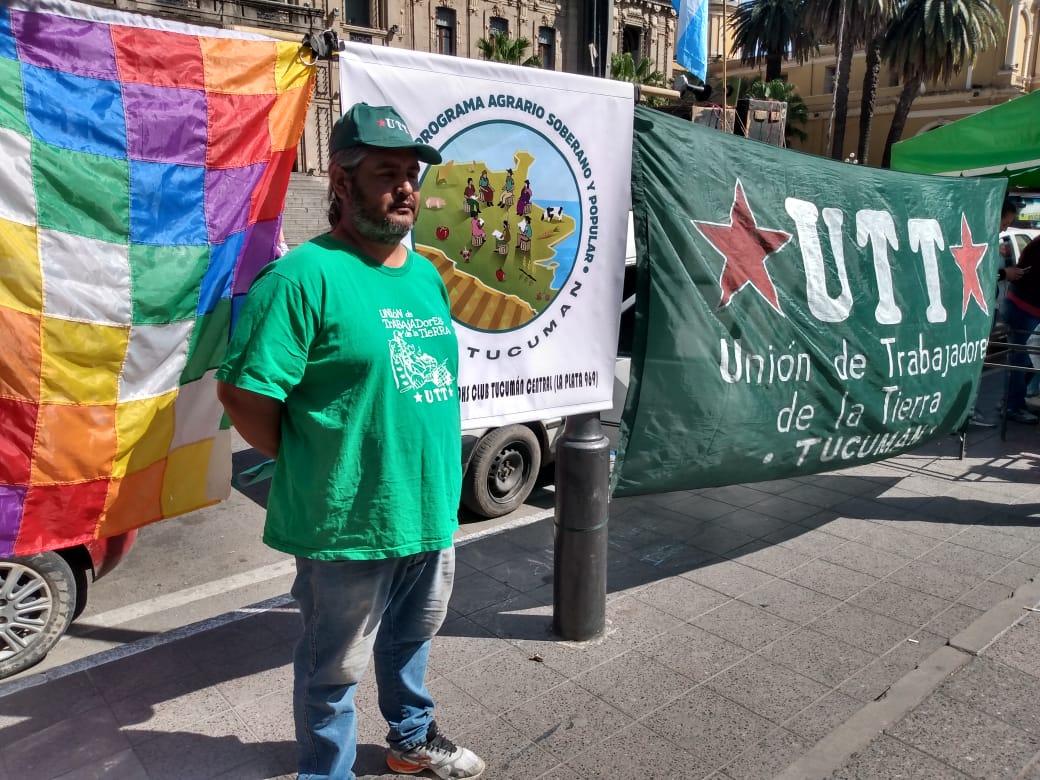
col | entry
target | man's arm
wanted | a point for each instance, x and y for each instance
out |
(258, 418)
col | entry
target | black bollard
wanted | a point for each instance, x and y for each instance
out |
(580, 562)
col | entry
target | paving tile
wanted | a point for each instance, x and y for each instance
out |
(985, 595)
(988, 540)
(963, 559)
(692, 652)
(1019, 647)
(820, 718)
(772, 691)
(790, 601)
(505, 680)
(633, 683)
(266, 766)
(702, 508)
(257, 675)
(819, 657)
(867, 508)
(508, 753)
(679, 597)
(710, 726)
(784, 508)
(894, 601)
(729, 577)
(629, 537)
(737, 495)
(456, 711)
(815, 494)
(127, 676)
(222, 648)
(862, 628)
(637, 752)
(520, 617)
(889, 758)
(866, 559)
(562, 772)
(208, 749)
(753, 524)
(626, 573)
(462, 642)
(932, 528)
(671, 557)
(849, 528)
(745, 625)
(997, 690)
(830, 578)
(526, 573)
(534, 536)
(46, 753)
(171, 705)
(770, 558)
(856, 483)
(802, 540)
(904, 543)
(971, 741)
(565, 719)
(876, 678)
(270, 719)
(933, 580)
(118, 766)
(479, 591)
(487, 552)
(769, 756)
(1015, 574)
(635, 621)
(720, 537)
(31, 710)
(953, 620)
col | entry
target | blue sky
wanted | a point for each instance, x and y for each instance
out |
(495, 144)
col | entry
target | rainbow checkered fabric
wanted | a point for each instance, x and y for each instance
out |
(143, 170)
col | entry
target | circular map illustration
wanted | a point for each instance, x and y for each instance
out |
(501, 221)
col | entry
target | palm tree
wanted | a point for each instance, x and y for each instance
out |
(624, 67)
(772, 31)
(499, 47)
(850, 23)
(933, 40)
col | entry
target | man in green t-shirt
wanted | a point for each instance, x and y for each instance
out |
(343, 367)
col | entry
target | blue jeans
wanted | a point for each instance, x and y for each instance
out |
(393, 607)
(1021, 324)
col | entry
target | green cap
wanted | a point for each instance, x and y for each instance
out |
(379, 126)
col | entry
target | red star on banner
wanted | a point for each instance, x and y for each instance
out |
(968, 256)
(745, 247)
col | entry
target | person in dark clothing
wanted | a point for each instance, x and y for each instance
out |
(1021, 312)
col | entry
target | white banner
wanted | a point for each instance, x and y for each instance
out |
(525, 219)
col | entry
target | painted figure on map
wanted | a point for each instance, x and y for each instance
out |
(508, 189)
(524, 233)
(523, 205)
(476, 230)
(487, 192)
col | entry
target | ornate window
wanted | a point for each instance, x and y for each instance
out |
(498, 26)
(445, 26)
(547, 47)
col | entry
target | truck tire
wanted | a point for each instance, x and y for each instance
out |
(502, 471)
(37, 600)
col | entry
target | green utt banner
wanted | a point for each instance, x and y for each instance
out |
(796, 314)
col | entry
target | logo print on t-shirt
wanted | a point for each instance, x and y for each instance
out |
(414, 369)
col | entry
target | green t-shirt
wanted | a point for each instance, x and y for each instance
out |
(365, 359)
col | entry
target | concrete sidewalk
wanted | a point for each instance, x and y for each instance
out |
(747, 625)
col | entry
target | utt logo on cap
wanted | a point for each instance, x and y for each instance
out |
(393, 124)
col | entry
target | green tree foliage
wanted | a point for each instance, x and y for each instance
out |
(499, 47)
(934, 40)
(772, 31)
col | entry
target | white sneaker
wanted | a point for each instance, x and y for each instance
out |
(438, 754)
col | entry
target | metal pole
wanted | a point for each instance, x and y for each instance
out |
(580, 561)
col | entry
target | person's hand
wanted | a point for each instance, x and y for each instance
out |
(1014, 273)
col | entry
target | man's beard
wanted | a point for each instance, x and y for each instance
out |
(381, 231)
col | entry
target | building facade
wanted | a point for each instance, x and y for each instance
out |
(997, 76)
(559, 32)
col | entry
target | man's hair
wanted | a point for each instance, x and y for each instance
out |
(1010, 206)
(348, 160)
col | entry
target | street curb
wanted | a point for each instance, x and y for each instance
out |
(832, 752)
(990, 626)
(167, 637)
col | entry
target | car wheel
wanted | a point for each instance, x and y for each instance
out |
(37, 599)
(502, 471)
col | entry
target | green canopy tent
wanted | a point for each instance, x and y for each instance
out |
(1000, 141)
